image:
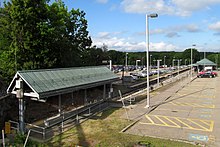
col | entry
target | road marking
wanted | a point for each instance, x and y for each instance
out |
(198, 124)
(207, 102)
(178, 122)
(192, 104)
(204, 111)
(198, 137)
(184, 123)
(205, 116)
(187, 95)
(171, 121)
(150, 119)
(207, 110)
(211, 138)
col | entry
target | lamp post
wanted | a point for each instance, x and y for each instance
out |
(147, 56)
(158, 72)
(126, 61)
(164, 62)
(137, 63)
(179, 60)
(150, 61)
(191, 60)
(173, 62)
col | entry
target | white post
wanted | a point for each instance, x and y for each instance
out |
(178, 67)
(192, 60)
(164, 61)
(27, 138)
(137, 63)
(147, 56)
(158, 73)
(191, 64)
(110, 65)
(126, 61)
(3, 138)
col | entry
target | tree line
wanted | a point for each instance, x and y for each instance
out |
(39, 34)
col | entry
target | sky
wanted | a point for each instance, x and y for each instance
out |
(121, 24)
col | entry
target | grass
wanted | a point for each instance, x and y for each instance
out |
(103, 130)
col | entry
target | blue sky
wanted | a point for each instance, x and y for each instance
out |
(120, 24)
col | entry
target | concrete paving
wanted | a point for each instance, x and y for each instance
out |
(187, 111)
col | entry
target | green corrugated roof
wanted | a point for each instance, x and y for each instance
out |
(50, 81)
(205, 62)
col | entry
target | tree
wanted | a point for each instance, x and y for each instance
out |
(35, 35)
(187, 55)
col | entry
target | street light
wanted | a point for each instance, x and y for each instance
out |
(126, 61)
(164, 61)
(150, 61)
(179, 60)
(191, 60)
(137, 63)
(173, 62)
(158, 72)
(147, 55)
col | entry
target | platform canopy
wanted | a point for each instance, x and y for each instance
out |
(44, 83)
(205, 62)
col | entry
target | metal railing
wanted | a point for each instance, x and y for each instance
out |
(56, 125)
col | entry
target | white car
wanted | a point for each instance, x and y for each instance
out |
(142, 74)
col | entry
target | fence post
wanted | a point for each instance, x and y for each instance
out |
(27, 138)
(62, 121)
(77, 118)
(3, 138)
(44, 134)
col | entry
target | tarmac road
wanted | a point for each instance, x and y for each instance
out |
(189, 111)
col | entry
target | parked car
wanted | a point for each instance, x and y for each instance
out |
(206, 74)
(142, 74)
(215, 73)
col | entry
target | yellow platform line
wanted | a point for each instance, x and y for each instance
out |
(162, 121)
(152, 122)
(209, 123)
(211, 138)
(192, 104)
(205, 122)
(184, 123)
(179, 110)
(171, 121)
(199, 125)
(211, 126)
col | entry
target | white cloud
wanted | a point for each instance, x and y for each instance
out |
(103, 34)
(170, 7)
(102, 1)
(215, 26)
(123, 44)
(144, 6)
(173, 31)
(172, 34)
(190, 5)
(162, 46)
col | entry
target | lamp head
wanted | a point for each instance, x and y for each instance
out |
(153, 15)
